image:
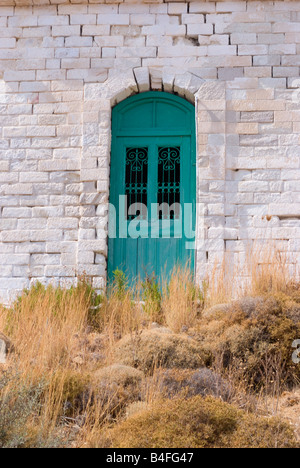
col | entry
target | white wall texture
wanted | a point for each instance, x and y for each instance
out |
(63, 65)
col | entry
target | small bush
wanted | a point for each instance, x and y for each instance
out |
(120, 283)
(20, 408)
(57, 299)
(172, 382)
(254, 336)
(70, 386)
(17, 403)
(199, 423)
(154, 348)
(118, 375)
(115, 387)
(60, 338)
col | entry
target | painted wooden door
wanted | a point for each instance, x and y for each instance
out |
(152, 185)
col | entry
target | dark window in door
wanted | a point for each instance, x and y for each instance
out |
(169, 181)
(136, 181)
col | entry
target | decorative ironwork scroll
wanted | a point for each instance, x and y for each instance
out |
(169, 181)
(136, 179)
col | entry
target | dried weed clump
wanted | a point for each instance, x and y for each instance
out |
(42, 324)
(115, 387)
(79, 361)
(254, 336)
(179, 304)
(171, 383)
(198, 422)
(159, 348)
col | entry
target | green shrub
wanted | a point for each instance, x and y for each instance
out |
(120, 283)
(20, 407)
(151, 295)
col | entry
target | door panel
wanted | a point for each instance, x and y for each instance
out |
(157, 169)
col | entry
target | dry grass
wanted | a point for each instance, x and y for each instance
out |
(42, 326)
(120, 315)
(50, 327)
(179, 302)
(269, 271)
(260, 269)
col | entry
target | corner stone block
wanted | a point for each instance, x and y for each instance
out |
(187, 85)
(120, 87)
(211, 90)
(142, 78)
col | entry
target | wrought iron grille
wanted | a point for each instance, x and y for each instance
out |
(136, 181)
(169, 182)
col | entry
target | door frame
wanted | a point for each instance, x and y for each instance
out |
(184, 132)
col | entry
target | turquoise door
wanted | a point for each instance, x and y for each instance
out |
(152, 186)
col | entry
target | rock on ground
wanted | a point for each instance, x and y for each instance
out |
(5, 346)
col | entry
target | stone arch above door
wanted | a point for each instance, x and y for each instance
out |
(125, 83)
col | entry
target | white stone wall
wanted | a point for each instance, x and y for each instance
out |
(62, 68)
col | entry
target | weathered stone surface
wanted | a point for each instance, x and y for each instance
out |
(2, 352)
(5, 347)
(65, 64)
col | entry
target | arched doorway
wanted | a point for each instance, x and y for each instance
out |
(152, 185)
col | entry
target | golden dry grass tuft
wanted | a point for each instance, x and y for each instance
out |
(179, 302)
(81, 361)
(42, 325)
